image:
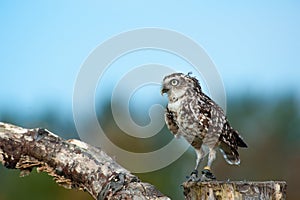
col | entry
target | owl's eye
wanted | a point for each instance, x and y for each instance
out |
(174, 82)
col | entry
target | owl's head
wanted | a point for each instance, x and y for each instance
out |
(177, 84)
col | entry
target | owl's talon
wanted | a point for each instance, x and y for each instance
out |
(207, 175)
(195, 172)
(193, 177)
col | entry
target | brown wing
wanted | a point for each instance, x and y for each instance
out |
(208, 115)
(229, 139)
(170, 121)
(210, 118)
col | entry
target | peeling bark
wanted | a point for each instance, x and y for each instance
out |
(73, 164)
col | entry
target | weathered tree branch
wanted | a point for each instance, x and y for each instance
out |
(72, 163)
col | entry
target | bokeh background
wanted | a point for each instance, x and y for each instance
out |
(254, 45)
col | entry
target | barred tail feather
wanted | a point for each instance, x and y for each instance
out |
(240, 142)
(230, 155)
(230, 141)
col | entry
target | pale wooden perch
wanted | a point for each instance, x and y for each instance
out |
(75, 164)
(235, 190)
(72, 163)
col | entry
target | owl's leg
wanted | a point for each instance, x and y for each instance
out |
(200, 155)
(207, 174)
(211, 157)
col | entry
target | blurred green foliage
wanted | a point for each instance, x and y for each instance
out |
(35, 186)
(270, 126)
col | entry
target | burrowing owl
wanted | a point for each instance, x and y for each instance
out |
(192, 114)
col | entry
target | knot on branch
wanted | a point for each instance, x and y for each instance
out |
(114, 183)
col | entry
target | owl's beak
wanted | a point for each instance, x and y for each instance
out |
(164, 90)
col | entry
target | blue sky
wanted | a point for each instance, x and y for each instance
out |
(254, 44)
